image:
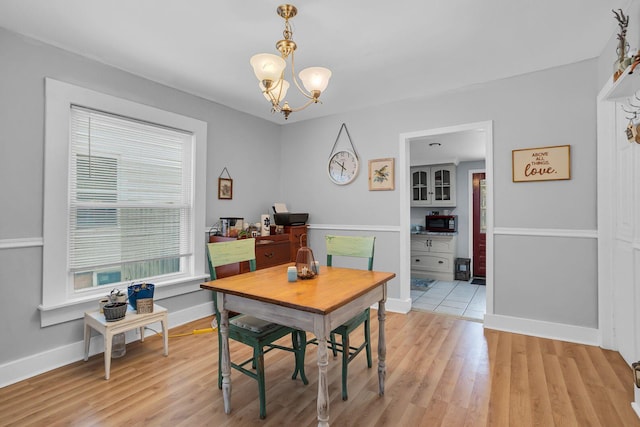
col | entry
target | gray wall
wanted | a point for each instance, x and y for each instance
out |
(246, 145)
(550, 107)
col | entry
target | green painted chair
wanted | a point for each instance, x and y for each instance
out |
(256, 333)
(360, 247)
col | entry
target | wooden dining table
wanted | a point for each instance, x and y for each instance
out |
(317, 305)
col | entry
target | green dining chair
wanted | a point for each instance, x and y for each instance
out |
(252, 331)
(360, 247)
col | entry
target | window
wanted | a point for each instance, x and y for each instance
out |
(130, 199)
(124, 190)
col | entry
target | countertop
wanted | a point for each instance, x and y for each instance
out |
(434, 233)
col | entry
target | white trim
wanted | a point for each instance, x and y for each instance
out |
(71, 310)
(546, 232)
(396, 305)
(27, 367)
(348, 227)
(606, 142)
(59, 96)
(25, 242)
(542, 329)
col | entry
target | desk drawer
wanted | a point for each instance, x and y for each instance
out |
(268, 255)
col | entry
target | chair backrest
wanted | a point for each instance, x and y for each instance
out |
(350, 246)
(231, 252)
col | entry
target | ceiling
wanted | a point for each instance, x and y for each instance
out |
(379, 52)
(451, 147)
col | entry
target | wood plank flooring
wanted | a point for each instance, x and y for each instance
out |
(441, 371)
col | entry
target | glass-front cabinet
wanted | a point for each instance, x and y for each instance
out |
(420, 192)
(433, 185)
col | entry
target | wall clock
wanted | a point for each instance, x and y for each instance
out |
(343, 165)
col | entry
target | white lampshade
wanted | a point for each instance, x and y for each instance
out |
(275, 91)
(267, 66)
(315, 78)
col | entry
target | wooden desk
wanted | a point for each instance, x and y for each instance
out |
(318, 305)
(132, 320)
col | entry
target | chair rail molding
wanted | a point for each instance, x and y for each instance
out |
(546, 232)
(24, 242)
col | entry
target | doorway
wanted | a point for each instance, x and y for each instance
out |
(404, 167)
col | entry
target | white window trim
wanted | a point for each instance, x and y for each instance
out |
(57, 304)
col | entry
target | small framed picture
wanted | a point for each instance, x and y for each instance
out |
(381, 174)
(225, 188)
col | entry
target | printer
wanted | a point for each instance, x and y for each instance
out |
(282, 216)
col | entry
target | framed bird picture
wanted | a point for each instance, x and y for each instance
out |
(381, 174)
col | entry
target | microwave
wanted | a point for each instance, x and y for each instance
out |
(441, 223)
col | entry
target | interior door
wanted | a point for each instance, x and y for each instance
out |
(479, 225)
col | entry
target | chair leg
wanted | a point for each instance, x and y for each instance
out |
(261, 382)
(345, 364)
(299, 340)
(332, 338)
(367, 338)
(219, 360)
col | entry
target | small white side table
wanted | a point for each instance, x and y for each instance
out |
(132, 320)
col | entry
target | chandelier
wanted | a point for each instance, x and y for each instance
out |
(269, 69)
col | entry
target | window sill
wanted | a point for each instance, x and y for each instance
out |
(53, 315)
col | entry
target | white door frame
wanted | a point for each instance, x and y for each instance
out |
(405, 202)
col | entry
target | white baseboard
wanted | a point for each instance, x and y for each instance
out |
(542, 329)
(27, 367)
(397, 305)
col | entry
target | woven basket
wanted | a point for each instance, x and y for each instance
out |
(115, 311)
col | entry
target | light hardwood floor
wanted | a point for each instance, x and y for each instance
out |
(441, 371)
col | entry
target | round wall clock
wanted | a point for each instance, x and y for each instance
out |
(343, 167)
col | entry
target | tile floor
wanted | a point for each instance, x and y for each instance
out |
(454, 298)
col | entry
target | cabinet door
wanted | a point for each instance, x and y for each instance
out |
(441, 185)
(420, 187)
(442, 245)
(419, 243)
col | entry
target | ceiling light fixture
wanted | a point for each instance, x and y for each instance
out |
(269, 69)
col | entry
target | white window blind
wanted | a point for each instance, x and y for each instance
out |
(130, 199)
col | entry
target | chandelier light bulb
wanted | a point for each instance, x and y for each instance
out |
(275, 91)
(267, 66)
(315, 78)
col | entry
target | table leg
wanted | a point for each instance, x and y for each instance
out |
(108, 339)
(165, 335)
(323, 386)
(226, 361)
(382, 348)
(87, 341)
